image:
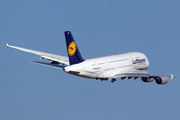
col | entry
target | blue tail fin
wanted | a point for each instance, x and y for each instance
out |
(72, 49)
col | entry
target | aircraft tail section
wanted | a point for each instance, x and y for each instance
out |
(72, 49)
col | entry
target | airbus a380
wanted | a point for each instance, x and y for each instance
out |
(127, 65)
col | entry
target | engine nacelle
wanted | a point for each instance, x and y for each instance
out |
(145, 79)
(162, 80)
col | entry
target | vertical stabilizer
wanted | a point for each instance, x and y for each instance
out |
(72, 49)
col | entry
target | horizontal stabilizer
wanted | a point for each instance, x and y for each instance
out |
(49, 64)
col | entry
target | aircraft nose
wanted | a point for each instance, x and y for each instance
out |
(147, 62)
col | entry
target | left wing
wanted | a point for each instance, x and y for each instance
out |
(145, 76)
(57, 59)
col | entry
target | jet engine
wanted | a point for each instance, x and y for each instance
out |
(146, 79)
(162, 80)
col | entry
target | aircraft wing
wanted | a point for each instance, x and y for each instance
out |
(139, 73)
(52, 57)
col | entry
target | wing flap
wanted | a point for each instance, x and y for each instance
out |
(131, 75)
(56, 58)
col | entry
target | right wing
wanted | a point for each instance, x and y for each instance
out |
(51, 57)
(138, 73)
(144, 75)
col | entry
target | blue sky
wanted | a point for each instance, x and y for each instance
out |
(33, 92)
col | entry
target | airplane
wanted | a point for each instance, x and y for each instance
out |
(127, 65)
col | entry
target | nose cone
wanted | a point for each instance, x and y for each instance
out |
(147, 62)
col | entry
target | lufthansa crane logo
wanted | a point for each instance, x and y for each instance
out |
(72, 48)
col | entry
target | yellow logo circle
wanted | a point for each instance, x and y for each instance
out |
(72, 48)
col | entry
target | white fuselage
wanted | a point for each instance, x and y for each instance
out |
(104, 67)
